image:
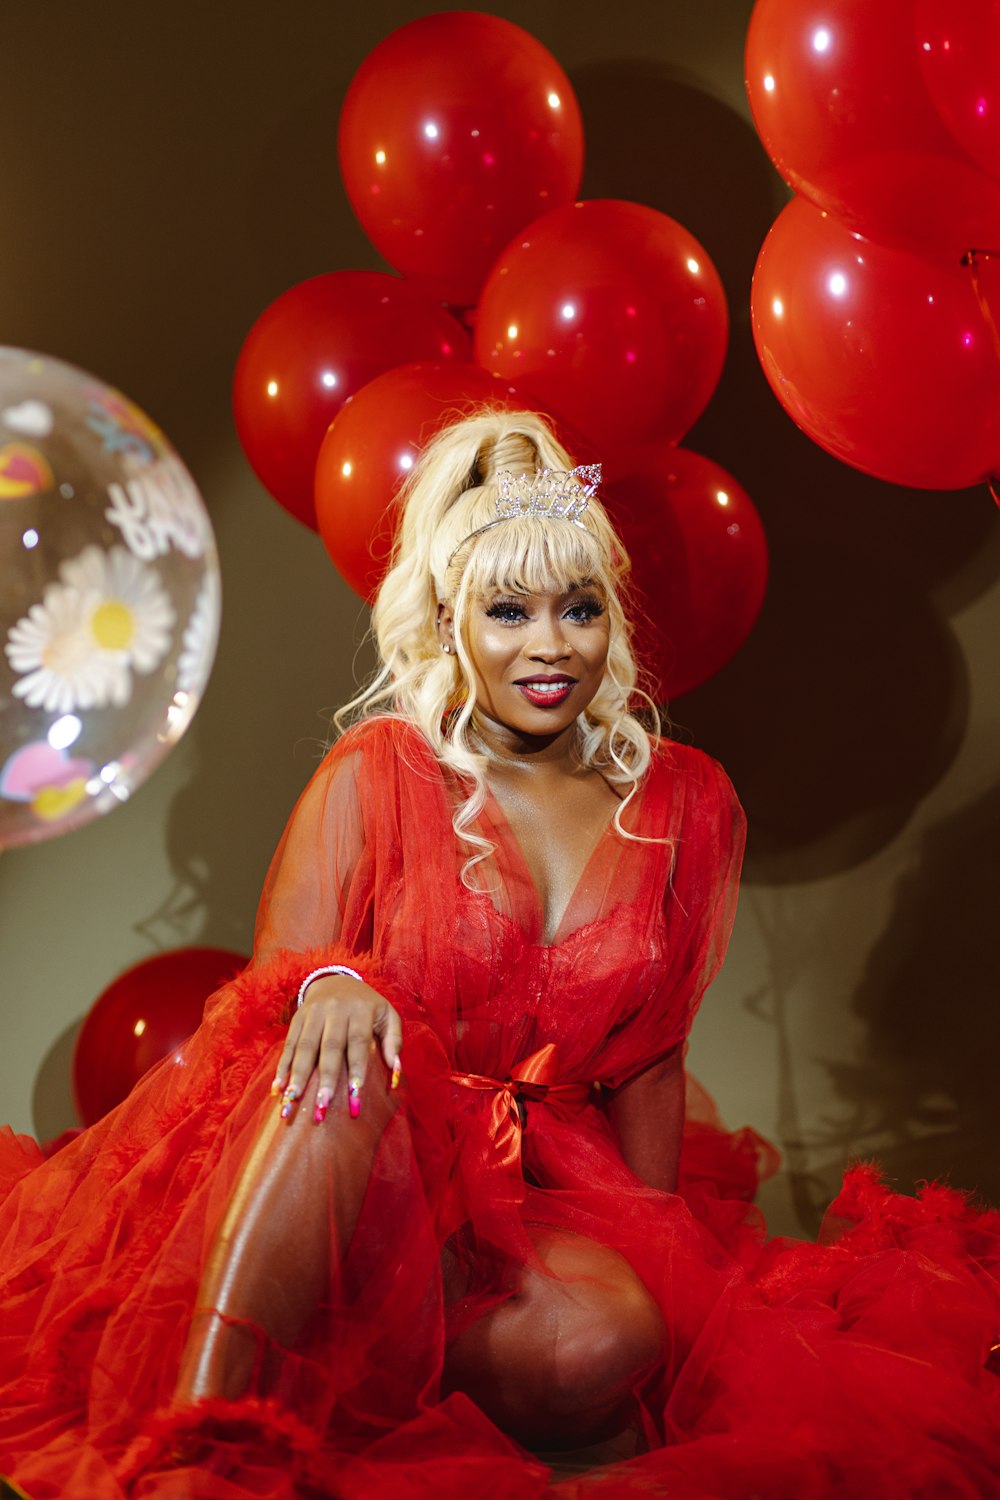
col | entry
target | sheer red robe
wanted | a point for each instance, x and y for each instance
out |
(855, 1367)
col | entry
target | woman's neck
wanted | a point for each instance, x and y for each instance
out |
(509, 749)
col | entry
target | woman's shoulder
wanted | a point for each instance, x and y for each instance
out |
(381, 741)
(675, 757)
(678, 768)
(378, 732)
(371, 768)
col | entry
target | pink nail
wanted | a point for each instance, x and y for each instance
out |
(354, 1097)
(289, 1097)
(322, 1105)
(397, 1072)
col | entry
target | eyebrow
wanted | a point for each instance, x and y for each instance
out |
(525, 593)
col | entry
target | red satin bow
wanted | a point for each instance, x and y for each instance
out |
(532, 1078)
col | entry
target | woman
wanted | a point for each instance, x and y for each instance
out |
(457, 1225)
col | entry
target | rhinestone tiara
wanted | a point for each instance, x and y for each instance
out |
(547, 492)
(561, 494)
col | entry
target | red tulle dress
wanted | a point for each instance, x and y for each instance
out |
(854, 1367)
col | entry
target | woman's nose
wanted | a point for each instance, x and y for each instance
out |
(548, 640)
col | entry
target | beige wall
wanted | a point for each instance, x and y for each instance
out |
(165, 171)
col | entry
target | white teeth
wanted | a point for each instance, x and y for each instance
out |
(547, 687)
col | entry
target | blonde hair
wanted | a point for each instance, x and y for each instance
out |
(442, 556)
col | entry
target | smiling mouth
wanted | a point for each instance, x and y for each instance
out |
(542, 690)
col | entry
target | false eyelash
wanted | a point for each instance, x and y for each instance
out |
(502, 607)
(590, 607)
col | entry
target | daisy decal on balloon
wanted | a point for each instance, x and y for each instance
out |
(107, 618)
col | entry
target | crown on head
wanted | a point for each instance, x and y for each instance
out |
(564, 493)
(561, 493)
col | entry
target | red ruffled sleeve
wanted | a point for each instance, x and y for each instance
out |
(306, 895)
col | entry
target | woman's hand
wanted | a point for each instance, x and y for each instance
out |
(337, 1023)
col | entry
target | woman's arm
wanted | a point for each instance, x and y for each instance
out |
(303, 902)
(306, 897)
(647, 1114)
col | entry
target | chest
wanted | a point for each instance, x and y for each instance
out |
(556, 830)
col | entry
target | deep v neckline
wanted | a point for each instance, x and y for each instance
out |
(513, 852)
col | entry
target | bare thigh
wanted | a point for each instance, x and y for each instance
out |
(292, 1213)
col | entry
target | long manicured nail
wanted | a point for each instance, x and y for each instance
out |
(354, 1097)
(322, 1105)
(288, 1101)
(397, 1072)
(277, 1085)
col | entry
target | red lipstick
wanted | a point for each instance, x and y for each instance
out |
(544, 691)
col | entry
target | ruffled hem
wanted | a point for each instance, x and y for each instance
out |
(854, 1367)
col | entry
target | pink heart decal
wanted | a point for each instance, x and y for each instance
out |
(36, 767)
(23, 471)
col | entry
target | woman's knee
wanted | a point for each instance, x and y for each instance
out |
(603, 1357)
(558, 1361)
(608, 1334)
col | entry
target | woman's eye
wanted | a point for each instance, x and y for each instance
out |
(585, 609)
(506, 611)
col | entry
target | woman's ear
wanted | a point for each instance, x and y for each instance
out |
(446, 627)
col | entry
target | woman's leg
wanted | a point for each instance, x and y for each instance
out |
(294, 1207)
(557, 1363)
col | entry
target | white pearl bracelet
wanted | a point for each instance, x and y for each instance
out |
(319, 973)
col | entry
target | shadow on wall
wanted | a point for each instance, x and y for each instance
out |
(842, 712)
(655, 137)
(51, 1102)
(928, 999)
(923, 1100)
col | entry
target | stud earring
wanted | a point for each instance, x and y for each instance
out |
(446, 648)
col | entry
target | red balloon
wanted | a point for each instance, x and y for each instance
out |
(699, 562)
(884, 359)
(313, 348)
(840, 99)
(457, 130)
(960, 62)
(613, 315)
(143, 1016)
(371, 447)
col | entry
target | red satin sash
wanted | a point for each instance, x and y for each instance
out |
(531, 1078)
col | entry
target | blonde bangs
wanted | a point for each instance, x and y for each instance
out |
(531, 556)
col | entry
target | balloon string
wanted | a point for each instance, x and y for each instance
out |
(971, 258)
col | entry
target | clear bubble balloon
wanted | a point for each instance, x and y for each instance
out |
(109, 615)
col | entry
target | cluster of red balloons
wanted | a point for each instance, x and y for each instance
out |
(872, 296)
(606, 315)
